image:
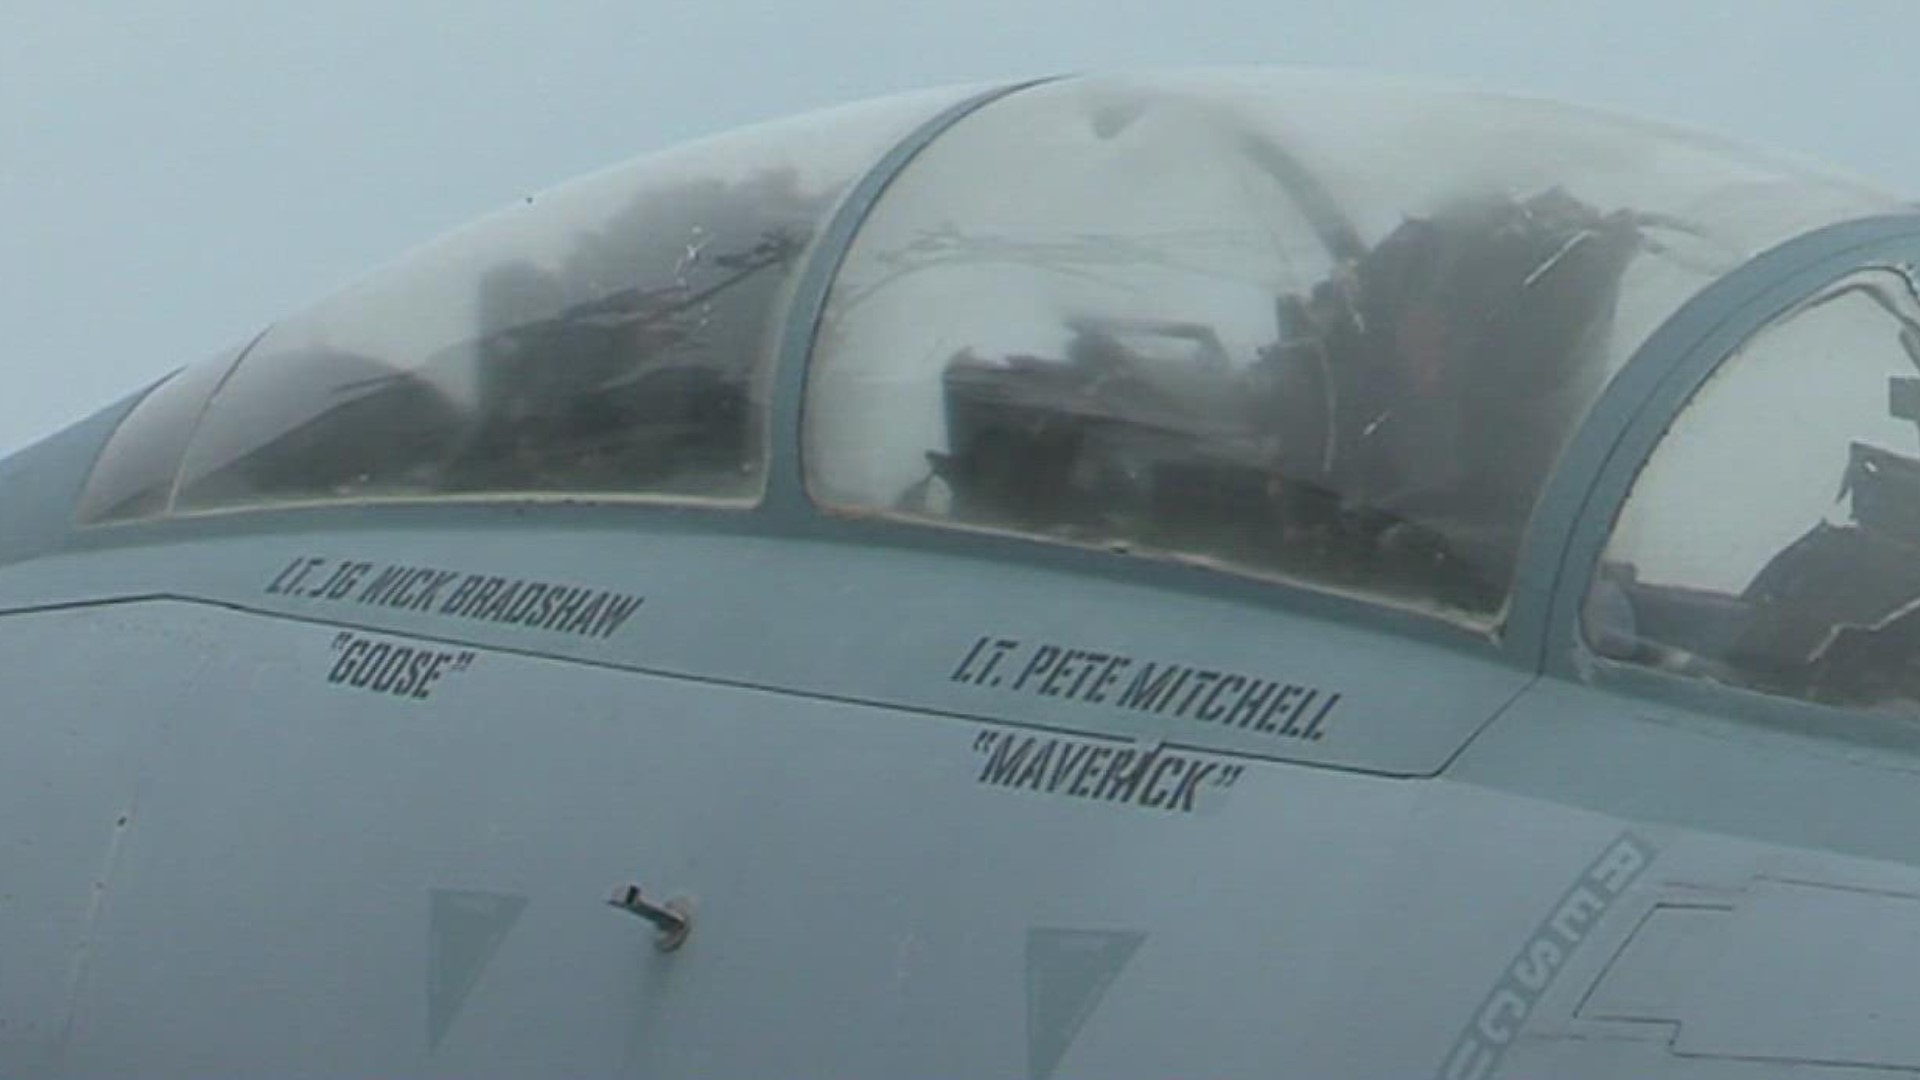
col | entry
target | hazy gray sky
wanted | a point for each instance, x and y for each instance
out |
(174, 176)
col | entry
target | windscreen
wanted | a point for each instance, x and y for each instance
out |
(612, 339)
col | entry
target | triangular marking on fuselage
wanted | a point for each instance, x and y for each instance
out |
(464, 931)
(1068, 973)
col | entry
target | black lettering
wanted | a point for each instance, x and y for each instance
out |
(524, 606)
(423, 672)
(961, 674)
(1088, 766)
(1248, 708)
(1210, 710)
(1129, 786)
(430, 673)
(1287, 694)
(283, 581)
(428, 596)
(1153, 796)
(417, 670)
(1040, 663)
(502, 603)
(1173, 692)
(406, 675)
(1003, 765)
(1071, 756)
(1313, 731)
(1108, 676)
(565, 609)
(589, 616)
(463, 595)
(1001, 649)
(1093, 661)
(1201, 680)
(376, 657)
(327, 583)
(306, 572)
(403, 676)
(1149, 688)
(1048, 687)
(1306, 702)
(343, 668)
(390, 668)
(382, 588)
(345, 577)
(1035, 773)
(620, 608)
(543, 613)
(295, 575)
(1190, 785)
(390, 677)
(419, 586)
(1117, 772)
(483, 596)
(407, 594)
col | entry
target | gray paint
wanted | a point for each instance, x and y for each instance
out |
(40, 485)
(464, 930)
(890, 627)
(1834, 964)
(1309, 898)
(219, 844)
(1068, 973)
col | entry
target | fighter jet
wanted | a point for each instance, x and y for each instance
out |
(1221, 574)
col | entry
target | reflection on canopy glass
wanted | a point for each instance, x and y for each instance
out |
(1319, 329)
(614, 338)
(1773, 539)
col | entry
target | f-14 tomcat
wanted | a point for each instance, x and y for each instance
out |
(1206, 575)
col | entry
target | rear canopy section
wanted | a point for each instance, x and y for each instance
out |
(1309, 327)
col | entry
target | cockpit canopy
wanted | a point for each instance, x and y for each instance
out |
(611, 339)
(1306, 327)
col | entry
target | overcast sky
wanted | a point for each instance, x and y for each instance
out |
(175, 176)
